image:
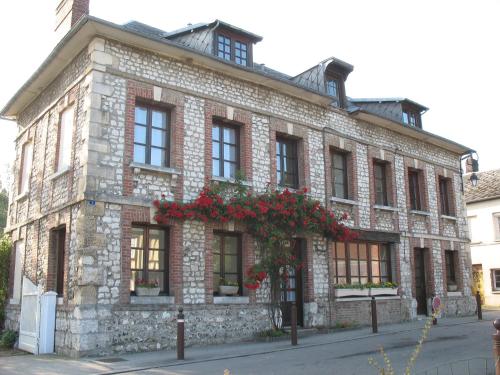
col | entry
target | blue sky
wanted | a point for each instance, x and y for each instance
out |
(442, 54)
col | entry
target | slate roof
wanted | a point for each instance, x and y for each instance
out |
(145, 29)
(392, 100)
(488, 186)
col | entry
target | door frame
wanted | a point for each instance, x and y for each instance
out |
(421, 252)
(300, 247)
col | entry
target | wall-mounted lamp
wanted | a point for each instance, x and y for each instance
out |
(472, 165)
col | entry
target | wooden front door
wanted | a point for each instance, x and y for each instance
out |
(420, 281)
(291, 291)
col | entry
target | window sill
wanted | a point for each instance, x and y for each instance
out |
(452, 218)
(60, 300)
(385, 208)
(344, 201)
(230, 180)
(354, 299)
(152, 300)
(138, 167)
(231, 300)
(454, 294)
(58, 173)
(421, 213)
(22, 196)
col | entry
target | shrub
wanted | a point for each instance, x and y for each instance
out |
(5, 247)
(8, 339)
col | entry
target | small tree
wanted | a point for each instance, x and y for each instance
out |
(273, 218)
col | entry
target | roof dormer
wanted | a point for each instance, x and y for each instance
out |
(328, 77)
(219, 38)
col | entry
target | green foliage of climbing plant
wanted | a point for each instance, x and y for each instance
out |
(5, 248)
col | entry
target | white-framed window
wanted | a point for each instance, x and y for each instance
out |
(65, 139)
(18, 270)
(496, 224)
(495, 279)
(472, 224)
(26, 162)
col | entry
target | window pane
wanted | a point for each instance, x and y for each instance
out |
(375, 269)
(137, 238)
(363, 268)
(136, 259)
(230, 245)
(340, 250)
(156, 260)
(229, 152)
(362, 251)
(229, 170)
(157, 157)
(156, 239)
(353, 251)
(215, 168)
(159, 119)
(27, 163)
(341, 269)
(158, 138)
(141, 115)
(215, 133)
(405, 118)
(383, 269)
(374, 251)
(229, 135)
(140, 134)
(230, 263)
(65, 138)
(216, 150)
(140, 154)
(354, 268)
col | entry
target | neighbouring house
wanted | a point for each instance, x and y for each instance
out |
(483, 215)
(119, 114)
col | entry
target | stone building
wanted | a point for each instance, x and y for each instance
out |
(119, 114)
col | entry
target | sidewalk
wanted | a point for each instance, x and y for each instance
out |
(52, 364)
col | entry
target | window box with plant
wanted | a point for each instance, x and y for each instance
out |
(383, 289)
(351, 290)
(147, 288)
(228, 287)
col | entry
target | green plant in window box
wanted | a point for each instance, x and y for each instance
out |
(350, 286)
(351, 290)
(386, 288)
(385, 284)
(228, 287)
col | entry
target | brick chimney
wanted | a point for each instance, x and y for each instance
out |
(68, 13)
(468, 165)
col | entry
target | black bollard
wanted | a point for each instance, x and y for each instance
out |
(294, 323)
(479, 307)
(374, 316)
(180, 334)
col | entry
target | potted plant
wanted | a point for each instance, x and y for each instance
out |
(386, 288)
(228, 287)
(350, 290)
(147, 288)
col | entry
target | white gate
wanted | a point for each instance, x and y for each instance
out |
(37, 322)
(29, 322)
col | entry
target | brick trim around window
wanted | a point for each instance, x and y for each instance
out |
(141, 215)
(171, 101)
(295, 132)
(223, 114)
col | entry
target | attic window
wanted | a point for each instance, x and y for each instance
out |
(411, 118)
(334, 88)
(231, 49)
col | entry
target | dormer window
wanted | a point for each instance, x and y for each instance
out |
(411, 118)
(224, 47)
(232, 50)
(335, 88)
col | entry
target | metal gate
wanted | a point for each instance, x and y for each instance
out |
(29, 322)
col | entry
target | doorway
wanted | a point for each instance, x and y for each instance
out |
(420, 281)
(291, 291)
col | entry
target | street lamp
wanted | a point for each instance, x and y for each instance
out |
(474, 179)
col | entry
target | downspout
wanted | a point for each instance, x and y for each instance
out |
(327, 255)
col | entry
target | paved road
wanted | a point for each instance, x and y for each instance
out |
(444, 345)
(343, 352)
